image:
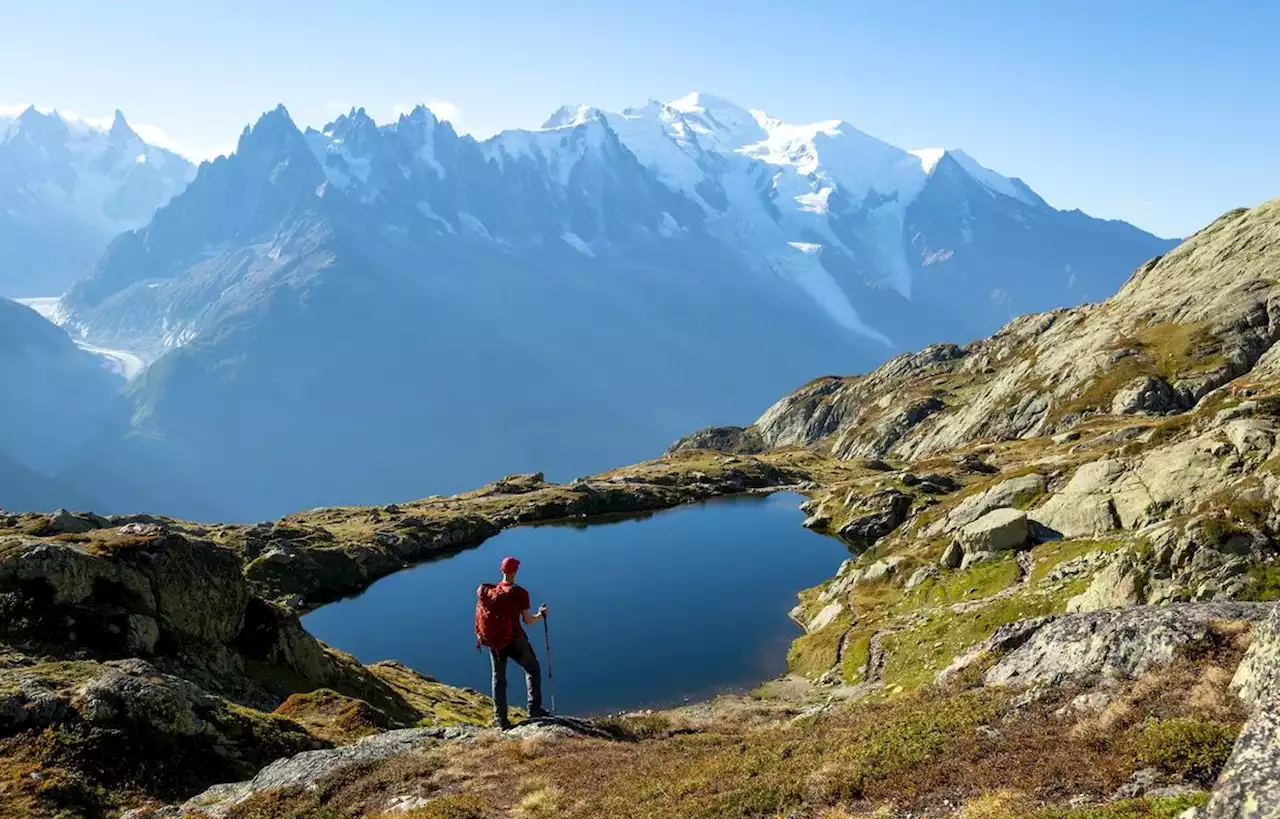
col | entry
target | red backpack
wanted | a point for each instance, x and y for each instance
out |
(495, 627)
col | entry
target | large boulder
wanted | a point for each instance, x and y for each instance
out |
(136, 693)
(74, 523)
(952, 556)
(1084, 508)
(1145, 394)
(997, 530)
(875, 516)
(1117, 643)
(1015, 492)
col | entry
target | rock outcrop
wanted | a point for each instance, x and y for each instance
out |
(142, 654)
(1248, 785)
(1121, 643)
(1186, 323)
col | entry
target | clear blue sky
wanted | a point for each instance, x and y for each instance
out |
(1162, 113)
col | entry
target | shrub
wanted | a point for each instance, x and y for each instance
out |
(1190, 747)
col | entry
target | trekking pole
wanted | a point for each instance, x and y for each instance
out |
(551, 676)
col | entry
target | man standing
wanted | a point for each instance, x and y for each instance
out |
(501, 614)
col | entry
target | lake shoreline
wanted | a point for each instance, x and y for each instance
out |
(713, 583)
(310, 559)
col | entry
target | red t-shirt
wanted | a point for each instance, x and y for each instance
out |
(516, 602)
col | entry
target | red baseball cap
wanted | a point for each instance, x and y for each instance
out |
(509, 565)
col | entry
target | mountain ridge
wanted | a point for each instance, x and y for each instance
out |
(827, 258)
(67, 187)
(547, 279)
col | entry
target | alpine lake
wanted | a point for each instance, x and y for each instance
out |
(645, 611)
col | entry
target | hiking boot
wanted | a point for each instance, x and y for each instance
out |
(539, 713)
(501, 724)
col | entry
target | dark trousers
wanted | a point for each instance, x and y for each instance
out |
(520, 651)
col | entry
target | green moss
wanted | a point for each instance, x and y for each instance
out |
(979, 581)
(1265, 583)
(65, 674)
(1192, 748)
(1167, 808)
(814, 654)
(857, 652)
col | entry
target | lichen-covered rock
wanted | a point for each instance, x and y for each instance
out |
(997, 530)
(921, 575)
(1198, 560)
(1146, 393)
(129, 592)
(881, 569)
(64, 522)
(1014, 492)
(306, 769)
(1084, 507)
(558, 728)
(952, 556)
(1121, 643)
(1257, 679)
(828, 615)
(874, 516)
(971, 557)
(134, 692)
(850, 575)
(1119, 584)
(1248, 787)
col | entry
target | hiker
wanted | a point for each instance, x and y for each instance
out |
(500, 610)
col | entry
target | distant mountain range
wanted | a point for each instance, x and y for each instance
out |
(369, 312)
(67, 189)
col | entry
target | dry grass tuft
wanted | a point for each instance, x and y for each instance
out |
(539, 799)
(1001, 804)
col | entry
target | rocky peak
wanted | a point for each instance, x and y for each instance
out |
(40, 127)
(120, 130)
(274, 134)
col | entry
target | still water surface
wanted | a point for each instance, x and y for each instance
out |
(645, 612)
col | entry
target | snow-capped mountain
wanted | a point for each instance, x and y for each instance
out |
(386, 311)
(66, 189)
